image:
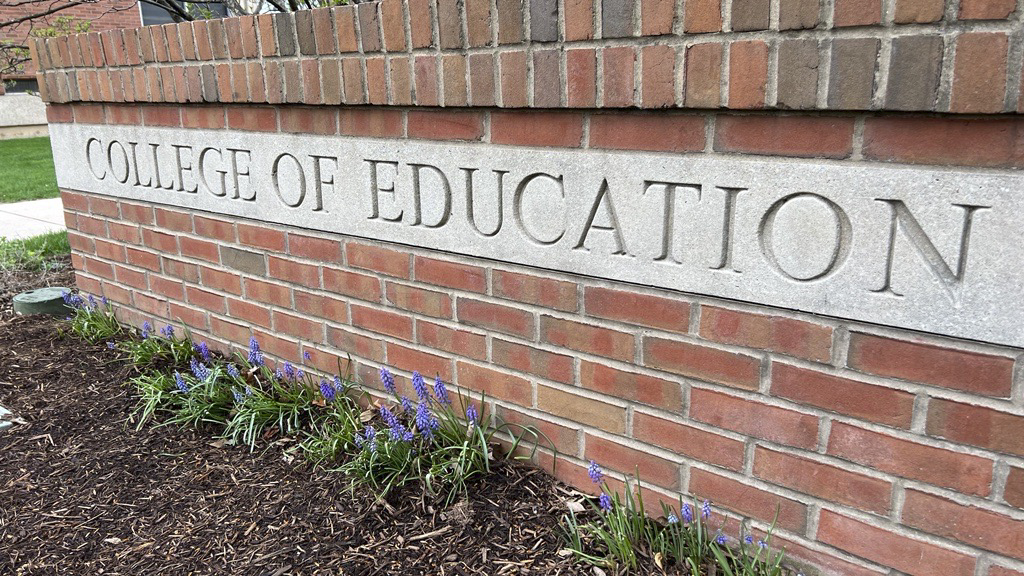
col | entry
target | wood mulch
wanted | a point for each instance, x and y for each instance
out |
(81, 492)
(14, 281)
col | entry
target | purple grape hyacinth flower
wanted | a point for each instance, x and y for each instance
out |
(255, 354)
(388, 417)
(327, 390)
(233, 371)
(179, 381)
(200, 371)
(605, 501)
(721, 538)
(687, 513)
(471, 414)
(203, 349)
(388, 380)
(440, 392)
(420, 386)
(705, 510)
(406, 404)
(167, 332)
(595, 473)
(425, 421)
(146, 329)
(306, 355)
(289, 371)
(672, 518)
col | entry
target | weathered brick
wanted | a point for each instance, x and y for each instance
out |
(510, 21)
(850, 397)
(206, 300)
(618, 63)
(753, 418)
(382, 321)
(1013, 493)
(376, 81)
(452, 340)
(973, 372)
(798, 14)
(254, 118)
(975, 425)
(918, 11)
(311, 92)
(299, 327)
(295, 272)
(975, 142)
(748, 500)
(265, 33)
(200, 249)
(688, 441)
(940, 467)
(797, 74)
(617, 18)
(915, 64)
(543, 20)
(352, 284)
(418, 300)
(581, 77)
(494, 384)
(547, 81)
(481, 79)
(630, 461)
(260, 237)
(823, 480)
(504, 319)
(536, 361)
(775, 333)
(377, 123)
(748, 74)
(968, 524)
(750, 15)
(313, 248)
(392, 19)
(291, 74)
(352, 78)
(358, 345)
(979, 73)
(284, 23)
(986, 9)
(603, 415)
(425, 73)
(304, 31)
(369, 26)
(702, 362)
(857, 13)
(541, 128)
(409, 359)
(891, 549)
(801, 136)
(223, 230)
(641, 309)
(579, 20)
(852, 76)
(530, 289)
(563, 438)
(251, 313)
(514, 80)
(658, 76)
(308, 120)
(345, 29)
(421, 23)
(268, 293)
(703, 75)
(453, 70)
(400, 70)
(658, 392)
(383, 260)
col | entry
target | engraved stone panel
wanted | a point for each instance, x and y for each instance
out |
(935, 250)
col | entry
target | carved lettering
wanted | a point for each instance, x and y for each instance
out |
(417, 196)
(500, 203)
(668, 220)
(184, 166)
(517, 206)
(840, 236)
(318, 178)
(301, 176)
(88, 158)
(604, 198)
(376, 190)
(121, 163)
(725, 261)
(203, 174)
(240, 160)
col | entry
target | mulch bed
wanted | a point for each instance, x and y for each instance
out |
(14, 281)
(82, 493)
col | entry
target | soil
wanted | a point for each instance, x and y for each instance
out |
(81, 492)
(14, 281)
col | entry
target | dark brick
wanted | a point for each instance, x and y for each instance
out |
(285, 25)
(510, 21)
(914, 68)
(852, 75)
(449, 24)
(798, 74)
(369, 26)
(546, 82)
(304, 30)
(798, 14)
(617, 18)
(243, 260)
(544, 20)
(481, 79)
(750, 15)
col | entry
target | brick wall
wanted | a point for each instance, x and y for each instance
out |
(884, 450)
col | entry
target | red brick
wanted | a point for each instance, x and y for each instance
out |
(561, 438)
(413, 299)
(801, 136)
(260, 237)
(382, 321)
(127, 233)
(745, 499)
(619, 63)
(688, 441)
(320, 249)
(979, 73)
(581, 77)
(212, 117)
(253, 118)
(514, 79)
(99, 268)
(775, 333)
(89, 113)
(976, 425)
(156, 306)
(857, 12)
(748, 74)
(450, 274)
(59, 114)
(221, 280)
(378, 123)
(408, 359)
(205, 300)
(753, 418)
(275, 346)
(312, 93)
(453, 69)
(110, 251)
(251, 313)
(130, 115)
(703, 82)
(664, 394)
(453, 341)
(144, 259)
(268, 293)
(201, 249)
(161, 116)
(849, 397)
(383, 260)
(702, 16)
(92, 226)
(446, 124)
(640, 309)
(309, 120)
(656, 132)
(497, 317)
(579, 20)
(572, 406)
(964, 472)
(914, 557)
(352, 284)
(510, 21)
(1013, 494)
(656, 17)
(987, 10)
(929, 364)
(530, 289)
(196, 319)
(299, 327)
(974, 526)
(532, 360)
(918, 11)
(494, 384)
(392, 20)
(587, 338)
(630, 461)
(211, 228)
(823, 480)
(103, 207)
(658, 75)
(996, 142)
(74, 201)
(1003, 571)
(703, 362)
(295, 272)
(425, 75)
(356, 344)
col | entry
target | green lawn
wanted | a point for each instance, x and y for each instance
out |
(26, 170)
(33, 253)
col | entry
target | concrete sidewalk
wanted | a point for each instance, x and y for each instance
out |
(31, 218)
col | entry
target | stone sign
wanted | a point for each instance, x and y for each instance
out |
(918, 248)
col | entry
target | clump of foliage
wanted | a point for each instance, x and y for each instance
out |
(38, 253)
(620, 532)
